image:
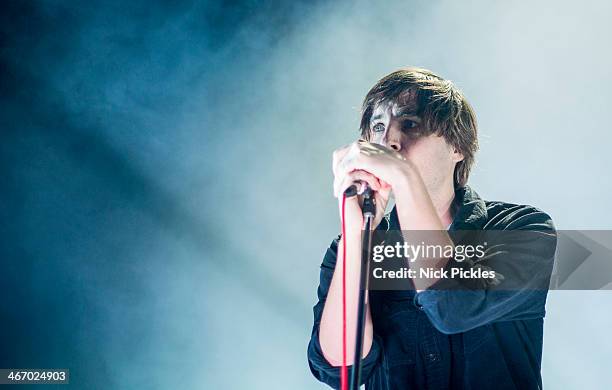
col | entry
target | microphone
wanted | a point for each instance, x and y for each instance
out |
(369, 203)
(355, 187)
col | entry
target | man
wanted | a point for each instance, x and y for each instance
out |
(419, 137)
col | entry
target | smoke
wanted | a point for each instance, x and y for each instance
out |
(167, 165)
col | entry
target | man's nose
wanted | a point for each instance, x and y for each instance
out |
(391, 138)
(392, 143)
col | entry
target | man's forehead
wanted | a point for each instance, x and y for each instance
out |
(392, 108)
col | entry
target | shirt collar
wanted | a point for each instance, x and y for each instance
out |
(472, 211)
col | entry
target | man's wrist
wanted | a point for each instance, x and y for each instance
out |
(402, 179)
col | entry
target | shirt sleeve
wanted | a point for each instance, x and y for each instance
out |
(523, 254)
(319, 366)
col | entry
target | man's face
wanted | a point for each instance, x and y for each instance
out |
(400, 129)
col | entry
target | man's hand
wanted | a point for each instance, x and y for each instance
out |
(384, 163)
(345, 161)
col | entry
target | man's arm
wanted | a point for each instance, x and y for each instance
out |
(330, 335)
(321, 364)
(414, 206)
(523, 254)
(416, 211)
(325, 349)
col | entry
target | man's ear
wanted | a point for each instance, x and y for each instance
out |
(457, 155)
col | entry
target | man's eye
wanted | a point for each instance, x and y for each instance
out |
(410, 128)
(378, 128)
(408, 124)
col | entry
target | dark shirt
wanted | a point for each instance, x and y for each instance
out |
(448, 339)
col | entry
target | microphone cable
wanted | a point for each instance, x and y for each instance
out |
(343, 368)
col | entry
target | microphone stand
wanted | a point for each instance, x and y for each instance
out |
(369, 210)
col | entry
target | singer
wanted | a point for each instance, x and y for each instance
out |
(418, 141)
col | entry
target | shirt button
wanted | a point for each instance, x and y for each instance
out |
(432, 357)
(417, 304)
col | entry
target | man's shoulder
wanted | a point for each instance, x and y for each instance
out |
(509, 216)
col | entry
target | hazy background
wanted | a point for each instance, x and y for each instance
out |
(165, 171)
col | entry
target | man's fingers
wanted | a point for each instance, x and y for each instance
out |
(343, 182)
(339, 155)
